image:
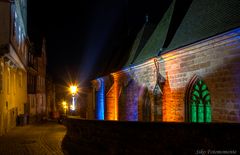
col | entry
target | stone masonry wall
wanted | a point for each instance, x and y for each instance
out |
(215, 60)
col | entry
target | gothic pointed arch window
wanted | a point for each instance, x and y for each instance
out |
(146, 106)
(157, 92)
(198, 101)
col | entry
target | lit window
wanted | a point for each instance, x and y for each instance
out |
(1, 77)
(8, 81)
(22, 37)
(19, 34)
(200, 103)
(20, 80)
(14, 83)
(15, 25)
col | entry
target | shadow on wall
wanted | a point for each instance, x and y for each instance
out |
(141, 93)
(128, 101)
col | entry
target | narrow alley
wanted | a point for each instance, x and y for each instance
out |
(37, 139)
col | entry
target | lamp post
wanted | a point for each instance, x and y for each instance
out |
(73, 90)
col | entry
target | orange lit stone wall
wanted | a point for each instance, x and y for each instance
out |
(112, 99)
(216, 61)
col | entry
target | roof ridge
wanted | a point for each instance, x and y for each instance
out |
(144, 38)
(135, 46)
(156, 40)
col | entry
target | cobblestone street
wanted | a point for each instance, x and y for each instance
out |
(38, 139)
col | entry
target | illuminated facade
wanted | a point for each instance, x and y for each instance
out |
(37, 106)
(187, 71)
(13, 61)
(31, 84)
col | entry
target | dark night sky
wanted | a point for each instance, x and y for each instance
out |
(88, 38)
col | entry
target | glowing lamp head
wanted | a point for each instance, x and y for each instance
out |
(64, 103)
(73, 89)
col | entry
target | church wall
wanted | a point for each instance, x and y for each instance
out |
(215, 60)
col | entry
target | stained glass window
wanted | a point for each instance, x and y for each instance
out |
(1, 77)
(200, 103)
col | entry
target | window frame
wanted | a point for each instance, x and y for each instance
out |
(188, 101)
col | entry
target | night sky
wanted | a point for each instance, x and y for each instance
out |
(88, 38)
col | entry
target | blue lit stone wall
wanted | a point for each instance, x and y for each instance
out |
(128, 103)
(100, 100)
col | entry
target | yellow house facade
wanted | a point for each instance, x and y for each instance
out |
(13, 60)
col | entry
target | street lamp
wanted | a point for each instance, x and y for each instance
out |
(64, 103)
(73, 90)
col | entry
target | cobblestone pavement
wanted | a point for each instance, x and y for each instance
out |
(37, 139)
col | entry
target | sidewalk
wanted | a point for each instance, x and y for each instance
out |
(36, 139)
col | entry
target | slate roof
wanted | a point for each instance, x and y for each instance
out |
(206, 18)
(185, 24)
(157, 39)
(140, 41)
(134, 47)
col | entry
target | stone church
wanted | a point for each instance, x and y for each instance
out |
(184, 69)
